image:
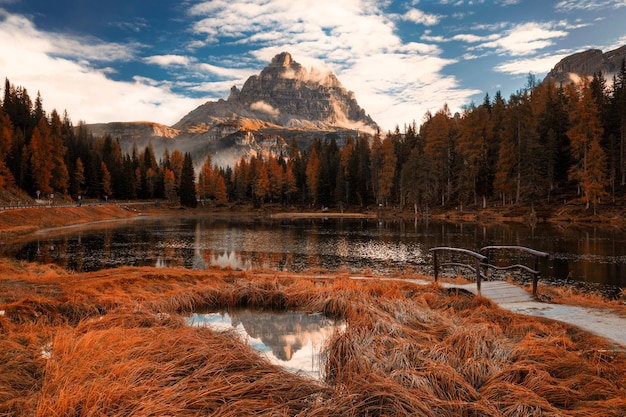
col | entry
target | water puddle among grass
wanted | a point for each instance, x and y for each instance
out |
(290, 339)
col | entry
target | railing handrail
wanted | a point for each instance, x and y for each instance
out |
(482, 260)
(471, 253)
(517, 248)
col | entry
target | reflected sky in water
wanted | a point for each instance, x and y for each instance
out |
(292, 340)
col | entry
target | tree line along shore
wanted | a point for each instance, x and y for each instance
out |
(548, 145)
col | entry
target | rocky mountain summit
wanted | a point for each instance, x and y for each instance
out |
(286, 94)
(589, 62)
(284, 101)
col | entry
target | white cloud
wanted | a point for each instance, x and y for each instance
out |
(168, 60)
(265, 108)
(421, 18)
(588, 5)
(618, 44)
(525, 38)
(535, 65)
(41, 62)
(17, 29)
(469, 38)
(224, 72)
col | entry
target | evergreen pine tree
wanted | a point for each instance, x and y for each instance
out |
(188, 183)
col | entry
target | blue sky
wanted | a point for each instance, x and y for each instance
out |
(131, 60)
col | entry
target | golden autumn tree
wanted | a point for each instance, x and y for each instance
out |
(206, 180)
(221, 195)
(6, 136)
(60, 180)
(105, 181)
(169, 184)
(79, 178)
(313, 175)
(291, 185)
(472, 149)
(504, 182)
(176, 165)
(262, 186)
(594, 176)
(437, 133)
(585, 133)
(41, 157)
(276, 176)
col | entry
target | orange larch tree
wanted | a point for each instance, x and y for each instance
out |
(6, 136)
(437, 133)
(41, 158)
(206, 180)
(586, 130)
(595, 175)
(169, 183)
(262, 186)
(313, 174)
(221, 195)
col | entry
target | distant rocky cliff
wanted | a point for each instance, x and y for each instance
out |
(588, 63)
(285, 101)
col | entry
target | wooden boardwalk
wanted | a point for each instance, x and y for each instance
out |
(499, 292)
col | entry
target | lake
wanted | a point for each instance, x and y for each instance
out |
(582, 256)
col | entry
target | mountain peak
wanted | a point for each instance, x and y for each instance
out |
(283, 59)
(587, 63)
(286, 94)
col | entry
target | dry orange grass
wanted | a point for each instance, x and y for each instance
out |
(115, 343)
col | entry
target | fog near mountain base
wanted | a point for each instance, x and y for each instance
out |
(264, 107)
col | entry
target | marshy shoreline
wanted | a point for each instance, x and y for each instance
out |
(115, 342)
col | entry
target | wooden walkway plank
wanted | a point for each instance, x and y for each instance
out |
(497, 291)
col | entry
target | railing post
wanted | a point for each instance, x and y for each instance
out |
(436, 265)
(478, 274)
(536, 276)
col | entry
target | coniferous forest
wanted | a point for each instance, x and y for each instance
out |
(544, 144)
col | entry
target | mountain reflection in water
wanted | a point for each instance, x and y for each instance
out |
(289, 339)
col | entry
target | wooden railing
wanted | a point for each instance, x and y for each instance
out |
(481, 261)
(534, 271)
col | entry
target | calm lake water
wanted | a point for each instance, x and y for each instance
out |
(589, 257)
